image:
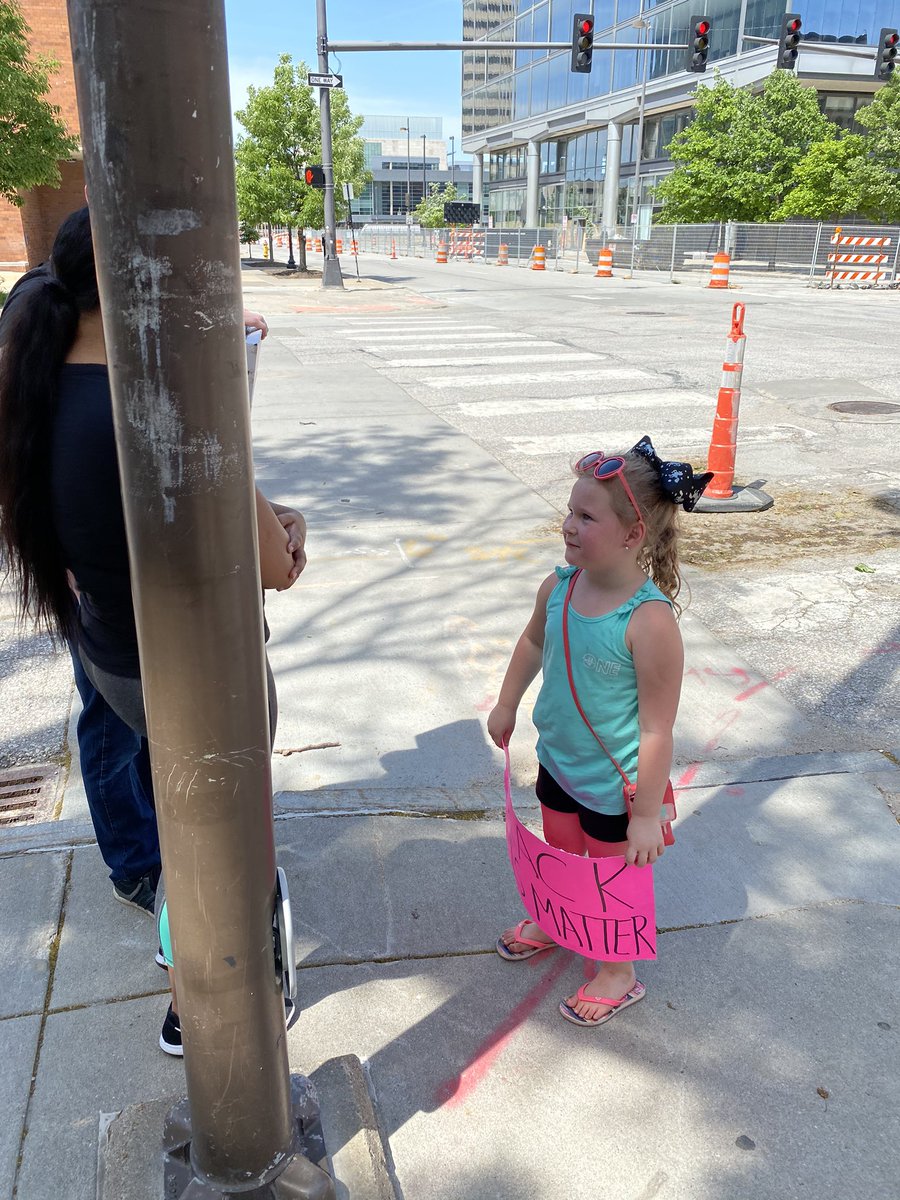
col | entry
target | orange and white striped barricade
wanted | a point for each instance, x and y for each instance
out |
(338, 246)
(718, 277)
(478, 244)
(720, 494)
(393, 248)
(503, 255)
(538, 257)
(604, 263)
(441, 256)
(864, 264)
(354, 249)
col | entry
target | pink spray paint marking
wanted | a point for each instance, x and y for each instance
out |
(600, 907)
(458, 1088)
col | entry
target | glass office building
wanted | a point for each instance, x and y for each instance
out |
(547, 141)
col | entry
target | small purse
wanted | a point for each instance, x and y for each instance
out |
(667, 813)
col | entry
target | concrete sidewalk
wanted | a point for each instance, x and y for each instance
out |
(763, 1061)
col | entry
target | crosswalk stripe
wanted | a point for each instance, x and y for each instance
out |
(427, 346)
(403, 331)
(608, 402)
(518, 377)
(469, 361)
(676, 439)
(436, 337)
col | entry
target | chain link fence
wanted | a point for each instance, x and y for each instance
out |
(867, 255)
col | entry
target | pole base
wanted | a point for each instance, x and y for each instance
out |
(742, 499)
(331, 273)
(299, 1177)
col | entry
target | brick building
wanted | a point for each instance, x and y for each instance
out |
(26, 233)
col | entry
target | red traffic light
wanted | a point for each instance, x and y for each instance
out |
(587, 26)
(892, 39)
(702, 28)
(794, 26)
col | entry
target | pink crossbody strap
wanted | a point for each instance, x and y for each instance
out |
(565, 633)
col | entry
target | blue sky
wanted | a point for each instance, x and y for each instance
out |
(409, 83)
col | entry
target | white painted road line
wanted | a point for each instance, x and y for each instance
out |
(430, 346)
(608, 402)
(436, 337)
(403, 331)
(489, 360)
(518, 377)
(571, 443)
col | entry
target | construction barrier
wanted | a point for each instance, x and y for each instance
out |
(503, 255)
(393, 248)
(338, 246)
(718, 277)
(279, 242)
(856, 260)
(441, 255)
(538, 255)
(604, 263)
(354, 249)
(317, 245)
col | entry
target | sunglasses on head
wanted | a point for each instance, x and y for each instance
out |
(608, 466)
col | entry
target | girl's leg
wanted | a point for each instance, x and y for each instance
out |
(613, 979)
(563, 831)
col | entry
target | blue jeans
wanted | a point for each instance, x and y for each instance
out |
(115, 767)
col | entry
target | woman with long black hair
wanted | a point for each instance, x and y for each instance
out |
(62, 528)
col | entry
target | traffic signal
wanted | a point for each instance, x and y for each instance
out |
(698, 43)
(788, 42)
(582, 42)
(314, 177)
(888, 40)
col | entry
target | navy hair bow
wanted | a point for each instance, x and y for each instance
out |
(677, 479)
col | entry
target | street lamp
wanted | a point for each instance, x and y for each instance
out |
(423, 167)
(405, 129)
(452, 159)
(640, 22)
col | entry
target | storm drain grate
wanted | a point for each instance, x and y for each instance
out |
(27, 794)
(871, 407)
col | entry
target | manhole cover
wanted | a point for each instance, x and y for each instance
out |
(865, 407)
(27, 794)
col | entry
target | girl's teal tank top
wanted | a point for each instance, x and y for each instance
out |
(606, 682)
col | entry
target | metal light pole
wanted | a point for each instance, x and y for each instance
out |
(168, 265)
(452, 159)
(405, 129)
(423, 167)
(639, 22)
(331, 264)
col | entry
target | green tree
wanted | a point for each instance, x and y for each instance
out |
(32, 137)
(283, 136)
(737, 157)
(879, 180)
(827, 183)
(429, 212)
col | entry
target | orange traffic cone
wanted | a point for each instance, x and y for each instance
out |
(538, 255)
(393, 248)
(719, 275)
(604, 264)
(441, 256)
(503, 255)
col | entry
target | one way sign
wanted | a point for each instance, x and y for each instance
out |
(326, 80)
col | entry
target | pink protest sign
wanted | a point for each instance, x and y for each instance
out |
(599, 907)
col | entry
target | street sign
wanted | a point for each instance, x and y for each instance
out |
(325, 80)
(348, 192)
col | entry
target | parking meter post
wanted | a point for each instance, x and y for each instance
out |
(168, 264)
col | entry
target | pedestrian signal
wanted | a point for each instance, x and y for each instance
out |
(314, 177)
(888, 41)
(582, 42)
(698, 43)
(789, 41)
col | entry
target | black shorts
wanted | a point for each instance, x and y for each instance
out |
(600, 826)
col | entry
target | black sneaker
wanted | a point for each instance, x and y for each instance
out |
(170, 1038)
(161, 960)
(138, 893)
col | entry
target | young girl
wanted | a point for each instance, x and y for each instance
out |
(627, 665)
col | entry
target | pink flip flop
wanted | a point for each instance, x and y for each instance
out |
(637, 992)
(534, 947)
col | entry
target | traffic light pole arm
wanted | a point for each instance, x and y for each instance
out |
(348, 47)
(822, 47)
